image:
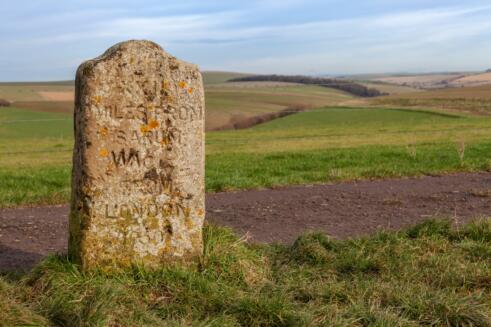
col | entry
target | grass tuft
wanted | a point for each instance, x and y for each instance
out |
(428, 275)
(430, 228)
(479, 231)
(312, 248)
(230, 259)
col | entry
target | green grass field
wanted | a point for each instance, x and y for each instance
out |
(323, 145)
(428, 275)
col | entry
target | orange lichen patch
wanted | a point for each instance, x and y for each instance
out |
(103, 131)
(190, 90)
(97, 99)
(103, 152)
(144, 129)
(153, 124)
(182, 84)
(200, 212)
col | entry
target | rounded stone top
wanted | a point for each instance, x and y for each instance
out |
(130, 45)
(137, 47)
(142, 49)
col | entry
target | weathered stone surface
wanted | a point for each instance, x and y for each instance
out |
(138, 161)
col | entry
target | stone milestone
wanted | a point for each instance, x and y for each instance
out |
(138, 161)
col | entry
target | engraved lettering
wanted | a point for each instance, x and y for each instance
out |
(120, 159)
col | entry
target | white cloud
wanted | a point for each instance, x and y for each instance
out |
(233, 39)
(224, 26)
(429, 16)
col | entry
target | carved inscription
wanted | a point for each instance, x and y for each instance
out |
(136, 210)
(124, 158)
(160, 136)
(148, 113)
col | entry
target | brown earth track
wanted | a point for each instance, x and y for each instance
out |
(280, 215)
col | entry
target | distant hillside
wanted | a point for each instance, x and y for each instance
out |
(473, 100)
(473, 80)
(434, 80)
(343, 85)
(213, 77)
(209, 77)
(227, 104)
(422, 81)
(44, 83)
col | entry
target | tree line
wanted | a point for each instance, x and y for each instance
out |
(347, 86)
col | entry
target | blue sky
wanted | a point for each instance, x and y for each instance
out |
(48, 39)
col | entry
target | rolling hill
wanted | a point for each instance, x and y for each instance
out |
(225, 102)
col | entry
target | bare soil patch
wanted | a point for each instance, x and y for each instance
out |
(280, 215)
(473, 80)
(57, 96)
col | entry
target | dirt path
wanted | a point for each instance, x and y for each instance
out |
(341, 210)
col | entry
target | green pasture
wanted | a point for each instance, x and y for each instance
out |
(322, 145)
(351, 127)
